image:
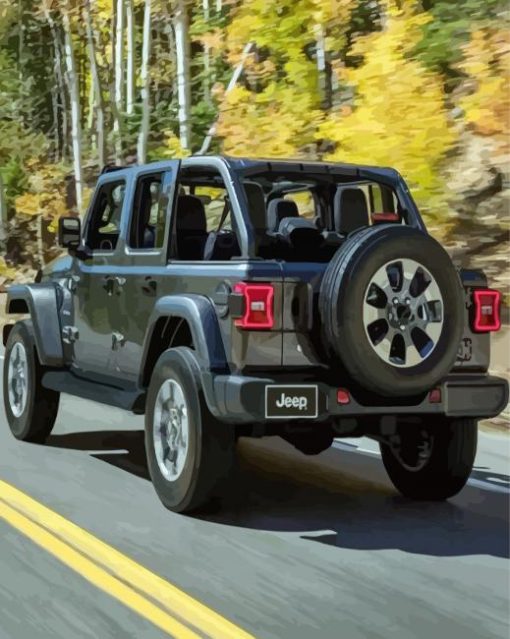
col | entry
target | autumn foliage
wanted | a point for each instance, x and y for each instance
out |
(385, 82)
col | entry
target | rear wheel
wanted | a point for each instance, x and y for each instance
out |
(30, 408)
(431, 463)
(189, 452)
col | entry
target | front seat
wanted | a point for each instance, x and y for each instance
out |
(190, 228)
(350, 210)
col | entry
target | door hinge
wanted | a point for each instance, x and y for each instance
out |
(118, 340)
(70, 334)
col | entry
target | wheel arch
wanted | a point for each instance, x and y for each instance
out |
(41, 303)
(184, 320)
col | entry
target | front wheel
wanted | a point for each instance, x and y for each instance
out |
(189, 452)
(30, 408)
(431, 463)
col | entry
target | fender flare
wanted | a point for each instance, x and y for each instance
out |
(201, 317)
(40, 302)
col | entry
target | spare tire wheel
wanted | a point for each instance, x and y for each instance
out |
(391, 306)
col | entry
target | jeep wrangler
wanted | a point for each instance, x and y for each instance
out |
(227, 297)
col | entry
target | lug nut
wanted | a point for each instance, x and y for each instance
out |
(395, 301)
(402, 328)
(408, 301)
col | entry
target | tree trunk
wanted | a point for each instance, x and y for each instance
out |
(119, 55)
(183, 73)
(75, 107)
(233, 81)
(207, 58)
(145, 82)
(60, 79)
(219, 5)
(56, 124)
(323, 68)
(98, 90)
(130, 80)
(3, 217)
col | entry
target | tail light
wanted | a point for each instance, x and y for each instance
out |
(257, 307)
(486, 317)
(343, 397)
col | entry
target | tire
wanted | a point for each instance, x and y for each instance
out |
(31, 419)
(383, 367)
(441, 474)
(202, 457)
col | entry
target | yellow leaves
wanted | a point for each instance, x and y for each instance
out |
(49, 205)
(277, 122)
(487, 62)
(46, 197)
(398, 116)
(6, 272)
(28, 204)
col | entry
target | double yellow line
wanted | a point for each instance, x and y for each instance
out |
(150, 596)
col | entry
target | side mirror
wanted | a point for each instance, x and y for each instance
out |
(69, 232)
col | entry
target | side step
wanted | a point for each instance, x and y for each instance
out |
(66, 382)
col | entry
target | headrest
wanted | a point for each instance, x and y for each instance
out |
(256, 205)
(190, 214)
(278, 210)
(351, 210)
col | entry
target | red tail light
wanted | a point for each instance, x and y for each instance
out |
(486, 310)
(258, 306)
(342, 396)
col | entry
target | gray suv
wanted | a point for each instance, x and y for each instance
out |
(226, 297)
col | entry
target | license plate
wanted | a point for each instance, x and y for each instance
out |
(288, 401)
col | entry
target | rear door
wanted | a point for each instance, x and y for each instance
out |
(142, 262)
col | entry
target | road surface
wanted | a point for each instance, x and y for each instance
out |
(303, 548)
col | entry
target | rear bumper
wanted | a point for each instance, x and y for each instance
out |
(240, 399)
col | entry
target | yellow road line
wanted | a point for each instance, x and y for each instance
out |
(168, 596)
(95, 575)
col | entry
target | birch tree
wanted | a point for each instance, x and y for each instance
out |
(3, 216)
(231, 85)
(119, 54)
(207, 57)
(183, 72)
(96, 83)
(130, 59)
(74, 95)
(145, 82)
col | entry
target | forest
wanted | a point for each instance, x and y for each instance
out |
(420, 85)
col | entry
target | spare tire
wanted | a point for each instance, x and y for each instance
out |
(391, 306)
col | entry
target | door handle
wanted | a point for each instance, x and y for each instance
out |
(150, 287)
(112, 282)
(108, 284)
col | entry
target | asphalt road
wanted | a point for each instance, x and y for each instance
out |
(303, 548)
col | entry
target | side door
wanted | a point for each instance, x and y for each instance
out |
(145, 244)
(93, 285)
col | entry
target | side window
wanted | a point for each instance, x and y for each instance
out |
(149, 214)
(104, 226)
